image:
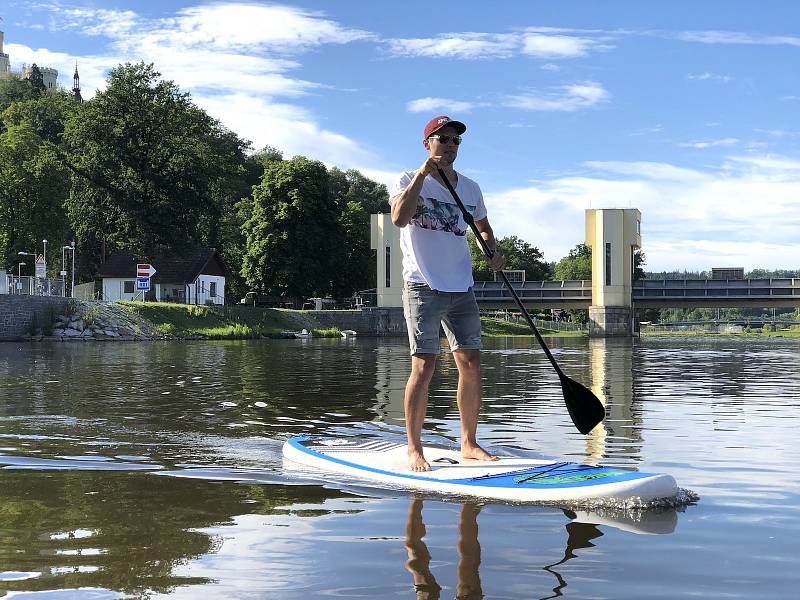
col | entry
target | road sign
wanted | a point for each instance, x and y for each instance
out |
(41, 267)
(142, 284)
(145, 270)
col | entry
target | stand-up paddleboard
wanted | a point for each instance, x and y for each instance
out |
(515, 479)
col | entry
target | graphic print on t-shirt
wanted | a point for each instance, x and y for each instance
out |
(439, 216)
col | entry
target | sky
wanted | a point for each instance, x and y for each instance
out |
(685, 110)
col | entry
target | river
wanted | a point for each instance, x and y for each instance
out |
(153, 470)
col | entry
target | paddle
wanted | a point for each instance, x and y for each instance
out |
(584, 408)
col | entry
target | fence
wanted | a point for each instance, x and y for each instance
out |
(34, 286)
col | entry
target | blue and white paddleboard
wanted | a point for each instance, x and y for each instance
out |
(516, 479)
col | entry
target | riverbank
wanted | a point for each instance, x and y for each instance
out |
(756, 333)
(243, 322)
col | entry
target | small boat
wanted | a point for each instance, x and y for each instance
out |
(348, 333)
(303, 334)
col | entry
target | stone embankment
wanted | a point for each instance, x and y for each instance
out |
(98, 321)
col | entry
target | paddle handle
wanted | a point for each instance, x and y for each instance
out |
(489, 254)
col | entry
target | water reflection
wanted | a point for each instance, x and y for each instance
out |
(619, 435)
(468, 580)
(582, 528)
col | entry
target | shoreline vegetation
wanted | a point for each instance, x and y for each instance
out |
(241, 322)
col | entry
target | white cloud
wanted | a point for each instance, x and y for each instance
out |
(456, 45)
(551, 47)
(710, 143)
(568, 98)
(737, 37)
(444, 105)
(739, 214)
(540, 43)
(710, 77)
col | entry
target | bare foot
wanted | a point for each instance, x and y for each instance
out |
(417, 462)
(476, 453)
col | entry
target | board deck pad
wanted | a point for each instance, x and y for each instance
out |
(517, 479)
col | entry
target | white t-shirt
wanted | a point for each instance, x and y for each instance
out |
(434, 243)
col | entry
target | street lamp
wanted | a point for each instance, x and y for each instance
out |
(19, 270)
(70, 247)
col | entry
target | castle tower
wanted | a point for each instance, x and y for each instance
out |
(76, 85)
(5, 64)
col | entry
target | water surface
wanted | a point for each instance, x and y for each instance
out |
(150, 470)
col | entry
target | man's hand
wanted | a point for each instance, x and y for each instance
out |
(497, 262)
(430, 165)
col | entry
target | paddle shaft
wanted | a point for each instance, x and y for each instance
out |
(489, 253)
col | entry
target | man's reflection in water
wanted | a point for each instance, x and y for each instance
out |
(468, 581)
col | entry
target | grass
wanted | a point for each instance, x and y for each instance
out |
(213, 322)
(492, 327)
(245, 322)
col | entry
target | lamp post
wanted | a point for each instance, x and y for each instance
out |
(19, 269)
(70, 247)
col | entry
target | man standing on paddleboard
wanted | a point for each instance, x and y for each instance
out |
(437, 276)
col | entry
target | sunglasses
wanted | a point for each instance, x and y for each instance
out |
(445, 139)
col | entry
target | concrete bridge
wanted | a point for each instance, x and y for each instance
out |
(648, 293)
(611, 296)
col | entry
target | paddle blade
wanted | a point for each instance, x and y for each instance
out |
(584, 407)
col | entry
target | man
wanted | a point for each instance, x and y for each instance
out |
(437, 275)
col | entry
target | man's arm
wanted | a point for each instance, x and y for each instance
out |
(498, 261)
(404, 204)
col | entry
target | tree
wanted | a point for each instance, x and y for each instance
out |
(153, 173)
(639, 260)
(292, 233)
(33, 187)
(37, 80)
(356, 197)
(576, 265)
(519, 255)
(14, 89)
(46, 115)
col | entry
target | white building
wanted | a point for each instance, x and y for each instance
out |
(195, 279)
(49, 75)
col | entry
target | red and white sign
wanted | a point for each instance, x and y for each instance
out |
(41, 268)
(145, 270)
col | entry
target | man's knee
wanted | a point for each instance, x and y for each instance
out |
(423, 366)
(468, 361)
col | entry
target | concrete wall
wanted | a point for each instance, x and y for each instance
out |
(17, 313)
(368, 321)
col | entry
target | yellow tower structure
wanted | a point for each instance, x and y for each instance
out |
(613, 235)
(385, 239)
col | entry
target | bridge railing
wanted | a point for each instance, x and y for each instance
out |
(716, 288)
(541, 292)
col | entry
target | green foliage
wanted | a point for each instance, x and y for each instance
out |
(292, 232)
(33, 188)
(519, 255)
(356, 198)
(576, 265)
(153, 172)
(37, 81)
(14, 89)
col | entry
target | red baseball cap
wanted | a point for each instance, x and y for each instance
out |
(437, 123)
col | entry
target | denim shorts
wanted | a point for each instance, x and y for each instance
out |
(425, 309)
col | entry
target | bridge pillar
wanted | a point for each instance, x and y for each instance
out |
(613, 234)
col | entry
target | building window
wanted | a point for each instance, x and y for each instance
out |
(608, 263)
(127, 287)
(388, 267)
(212, 289)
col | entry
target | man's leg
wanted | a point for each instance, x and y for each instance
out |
(415, 403)
(468, 398)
